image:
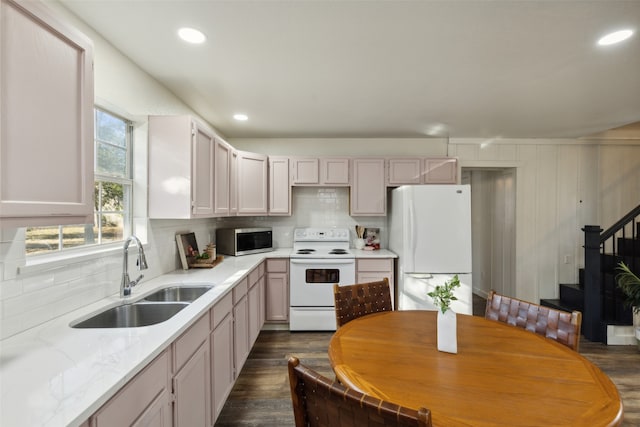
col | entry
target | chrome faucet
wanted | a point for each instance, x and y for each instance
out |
(127, 284)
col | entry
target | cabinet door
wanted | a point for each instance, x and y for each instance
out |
(254, 313)
(241, 333)
(46, 144)
(440, 171)
(304, 171)
(334, 172)
(279, 188)
(252, 183)
(222, 374)
(277, 297)
(222, 177)
(191, 388)
(233, 183)
(142, 401)
(368, 192)
(202, 174)
(404, 171)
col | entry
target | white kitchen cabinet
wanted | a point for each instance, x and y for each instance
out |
(376, 269)
(334, 172)
(192, 379)
(279, 187)
(222, 371)
(305, 171)
(277, 290)
(368, 190)
(233, 183)
(181, 168)
(404, 171)
(256, 302)
(223, 153)
(320, 171)
(143, 401)
(241, 343)
(442, 170)
(252, 183)
(46, 145)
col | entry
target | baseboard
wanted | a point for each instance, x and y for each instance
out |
(621, 335)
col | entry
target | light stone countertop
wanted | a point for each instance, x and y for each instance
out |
(55, 375)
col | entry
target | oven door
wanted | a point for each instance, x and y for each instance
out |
(312, 280)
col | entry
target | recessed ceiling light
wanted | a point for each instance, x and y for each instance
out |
(241, 117)
(615, 37)
(191, 35)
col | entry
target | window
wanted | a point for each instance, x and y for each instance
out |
(112, 193)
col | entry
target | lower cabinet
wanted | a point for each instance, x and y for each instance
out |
(374, 269)
(222, 372)
(256, 302)
(143, 401)
(191, 382)
(277, 290)
(240, 325)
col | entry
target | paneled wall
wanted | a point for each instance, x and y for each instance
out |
(561, 185)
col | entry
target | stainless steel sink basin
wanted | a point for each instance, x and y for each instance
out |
(132, 315)
(178, 293)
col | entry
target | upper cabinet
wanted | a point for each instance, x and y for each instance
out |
(46, 99)
(320, 171)
(181, 168)
(252, 183)
(415, 170)
(368, 192)
(442, 170)
(405, 171)
(224, 175)
(279, 187)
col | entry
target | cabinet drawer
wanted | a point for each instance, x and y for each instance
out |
(254, 275)
(240, 290)
(189, 342)
(221, 309)
(277, 265)
(378, 264)
(132, 400)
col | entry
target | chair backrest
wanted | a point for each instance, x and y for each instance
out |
(357, 300)
(321, 402)
(559, 325)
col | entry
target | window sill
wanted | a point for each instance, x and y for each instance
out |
(42, 263)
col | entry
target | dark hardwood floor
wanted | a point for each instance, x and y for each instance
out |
(261, 394)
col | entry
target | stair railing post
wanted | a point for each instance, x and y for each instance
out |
(592, 325)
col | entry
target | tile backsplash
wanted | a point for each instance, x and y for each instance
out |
(31, 296)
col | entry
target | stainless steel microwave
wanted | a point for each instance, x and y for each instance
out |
(244, 241)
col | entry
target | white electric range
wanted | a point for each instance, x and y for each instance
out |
(320, 258)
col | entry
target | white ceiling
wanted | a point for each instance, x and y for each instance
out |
(387, 68)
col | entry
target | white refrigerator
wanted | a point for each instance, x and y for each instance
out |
(430, 231)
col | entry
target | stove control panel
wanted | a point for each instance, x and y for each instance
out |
(321, 234)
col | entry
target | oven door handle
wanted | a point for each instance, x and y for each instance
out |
(313, 261)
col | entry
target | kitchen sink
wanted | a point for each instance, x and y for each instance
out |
(178, 294)
(132, 315)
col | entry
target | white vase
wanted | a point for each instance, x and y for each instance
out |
(447, 331)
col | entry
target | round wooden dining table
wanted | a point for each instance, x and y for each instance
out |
(501, 375)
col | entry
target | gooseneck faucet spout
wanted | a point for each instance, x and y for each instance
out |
(127, 284)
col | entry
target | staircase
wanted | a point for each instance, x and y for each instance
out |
(596, 294)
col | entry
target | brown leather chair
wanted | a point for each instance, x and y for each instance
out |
(557, 325)
(357, 300)
(320, 402)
